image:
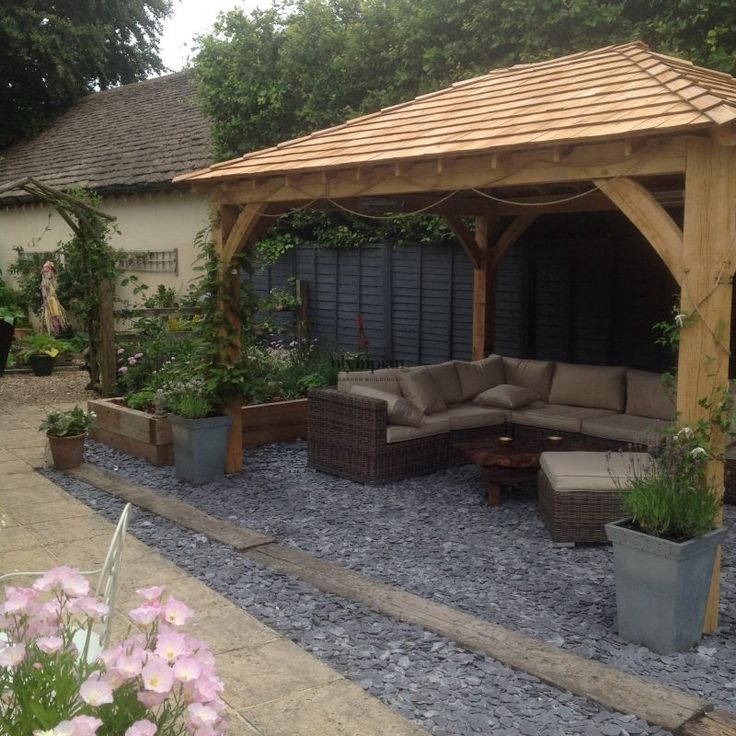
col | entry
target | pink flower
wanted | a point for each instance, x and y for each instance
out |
(96, 691)
(205, 688)
(50, 644)
(138, 355)
(89, 606)
(65, 578)
(171, 645)
(123, 369)
(151, 594)
(17, 600)
(144, 615)
(132, 360)
(141, 728)
(186, 669)
(86, 725)
(12, 656)
(175, 612)
(128, 665)
(201, 715)
(151, 699)
(157, 675)
(120, 351)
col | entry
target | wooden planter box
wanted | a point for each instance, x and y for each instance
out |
(142, 435)
(134, 432)
(279, 421)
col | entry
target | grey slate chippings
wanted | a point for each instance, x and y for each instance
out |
(433, 537)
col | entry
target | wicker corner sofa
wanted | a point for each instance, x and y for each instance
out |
(592, 407)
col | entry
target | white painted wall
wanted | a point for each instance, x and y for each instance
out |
(156, 221)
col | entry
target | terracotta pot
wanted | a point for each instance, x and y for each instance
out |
(67, 452)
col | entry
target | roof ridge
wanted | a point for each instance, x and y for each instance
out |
(427, 95)
(150, 80)
(682, 75)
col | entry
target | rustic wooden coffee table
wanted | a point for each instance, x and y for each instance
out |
(503, 464)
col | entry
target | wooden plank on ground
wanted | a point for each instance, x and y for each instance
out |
(660, 705)
(715, 723)
(173, 509)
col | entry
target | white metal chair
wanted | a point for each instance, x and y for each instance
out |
(89, 642)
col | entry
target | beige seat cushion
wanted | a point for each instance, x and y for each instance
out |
(506, 396)
(556, 417)
(645, 396)
(471, 416)
(591, 386)
(478, 375)
(385, 379)
(433, 424)
(533, 374)
(626, 428)
(446, 378)
(592, 471)
(398, 409)
(419, 387)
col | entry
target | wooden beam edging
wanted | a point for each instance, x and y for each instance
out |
(657, 704)
(239, 538)
(467, 239)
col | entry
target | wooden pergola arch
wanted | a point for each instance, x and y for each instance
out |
(656, 132)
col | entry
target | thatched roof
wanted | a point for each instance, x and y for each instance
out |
(130, 138)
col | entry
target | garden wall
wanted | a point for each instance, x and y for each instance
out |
(583, 289)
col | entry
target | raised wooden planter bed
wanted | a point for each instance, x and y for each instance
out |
(140, 434)
(279, 421)
(136, 433)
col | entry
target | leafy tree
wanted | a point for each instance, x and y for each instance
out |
(54, 51)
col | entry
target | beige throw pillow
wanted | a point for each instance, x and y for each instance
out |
(419, 387)
(398, 409)
(506, 396)
(478, 375)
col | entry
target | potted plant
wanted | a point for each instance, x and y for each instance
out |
(199, 434)
(66, 432)
(41, 351)
(664, 551)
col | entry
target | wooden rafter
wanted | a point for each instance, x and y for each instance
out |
(652, 220)
(519, 225)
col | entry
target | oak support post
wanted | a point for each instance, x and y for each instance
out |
(484, 293)
(708, 262)
(301, 288)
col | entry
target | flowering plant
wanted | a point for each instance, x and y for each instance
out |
(69, 423)
(160, 681)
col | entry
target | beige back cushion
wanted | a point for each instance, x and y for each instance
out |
(506, 396)
(645, 396)
(398, 409)
(591, 386)
(446, 378)
(385, 379)
(479, 375)
(419, 387)
(533, 374)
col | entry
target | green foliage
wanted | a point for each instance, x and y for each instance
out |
(52, 53)
(140, 400)
(27, 272)
(189, 399)
(69, 423)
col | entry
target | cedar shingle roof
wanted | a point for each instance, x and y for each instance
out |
(613, 92)
(133, 137)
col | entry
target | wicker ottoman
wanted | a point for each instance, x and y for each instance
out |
(579, 492)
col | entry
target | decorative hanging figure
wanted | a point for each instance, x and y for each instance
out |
(54, 315)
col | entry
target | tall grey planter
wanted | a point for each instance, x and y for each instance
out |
(661, 586)
(200, 447)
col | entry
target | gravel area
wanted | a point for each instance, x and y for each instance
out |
(62, 386)
(434, 537)
(425, 678)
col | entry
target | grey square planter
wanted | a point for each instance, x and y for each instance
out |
(200, 447)
(661, 586)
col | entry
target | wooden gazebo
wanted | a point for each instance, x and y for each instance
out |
(616, 128)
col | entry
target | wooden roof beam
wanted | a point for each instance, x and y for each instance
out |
(467, 239)
(518, 226)
(648, 215)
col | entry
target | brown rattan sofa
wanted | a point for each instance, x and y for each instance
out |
(592, 407)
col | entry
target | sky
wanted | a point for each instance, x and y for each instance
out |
(193, 17)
